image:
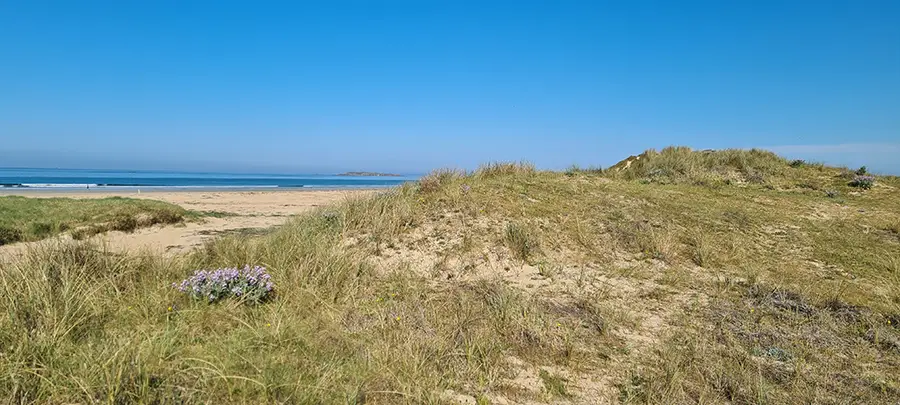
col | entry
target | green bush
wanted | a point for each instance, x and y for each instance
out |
(9, 235)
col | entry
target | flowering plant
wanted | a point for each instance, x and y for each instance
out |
(863, 181)
(248, 283)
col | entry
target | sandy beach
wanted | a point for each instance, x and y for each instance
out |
(242, 211)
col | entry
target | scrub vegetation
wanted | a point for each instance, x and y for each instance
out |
(673, 277)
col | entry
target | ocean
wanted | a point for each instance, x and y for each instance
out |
(73, 179)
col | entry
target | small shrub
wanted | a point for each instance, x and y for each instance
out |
(167, 217)
(864, 182)
(862, 171)
(248, 284)
(9, 235)
(124, 223)
(40, 229)
(798, 163)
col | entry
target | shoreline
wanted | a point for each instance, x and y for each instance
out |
(32, 192)
(245, 211)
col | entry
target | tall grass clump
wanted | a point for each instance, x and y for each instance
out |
(438, 179)
(497, 169)
(680, 164)
(590, 170)
(58, 305)
(521, 241)
(381, 216)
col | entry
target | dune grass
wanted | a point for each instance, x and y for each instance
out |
(28, 219)
(506, 285)
(337, 332)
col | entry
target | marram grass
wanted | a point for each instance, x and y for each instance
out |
(694, 277)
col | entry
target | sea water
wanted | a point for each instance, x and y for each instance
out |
(71, 179)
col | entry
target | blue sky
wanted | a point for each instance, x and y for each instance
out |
(412, 85)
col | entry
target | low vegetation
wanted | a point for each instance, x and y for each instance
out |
(28, 219)
(682, 277)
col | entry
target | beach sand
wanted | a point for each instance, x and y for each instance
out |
(245, 211)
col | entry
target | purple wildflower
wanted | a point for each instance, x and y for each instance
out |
(250, 284)
(863, 181)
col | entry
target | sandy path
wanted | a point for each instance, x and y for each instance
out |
(246, 210)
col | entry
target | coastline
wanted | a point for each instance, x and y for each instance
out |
(228, 211)
(129, 191)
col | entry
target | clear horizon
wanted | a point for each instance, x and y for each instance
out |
(789, 152)
(173, 171)
(407, 87)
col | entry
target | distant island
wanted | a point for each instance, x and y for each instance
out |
(369, 174)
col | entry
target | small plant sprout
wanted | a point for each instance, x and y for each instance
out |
(250, 284)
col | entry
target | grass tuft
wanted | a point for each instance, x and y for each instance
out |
(521, 241)
(437, 179)
(555, 385)
(499, 169)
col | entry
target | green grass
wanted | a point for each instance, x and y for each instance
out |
(580, 287)
(28, 219)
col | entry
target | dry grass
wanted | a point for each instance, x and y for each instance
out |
(583, 288)
(759, 344)
(438, 178)
(521, 241)
(504, 169)
(679, 164)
